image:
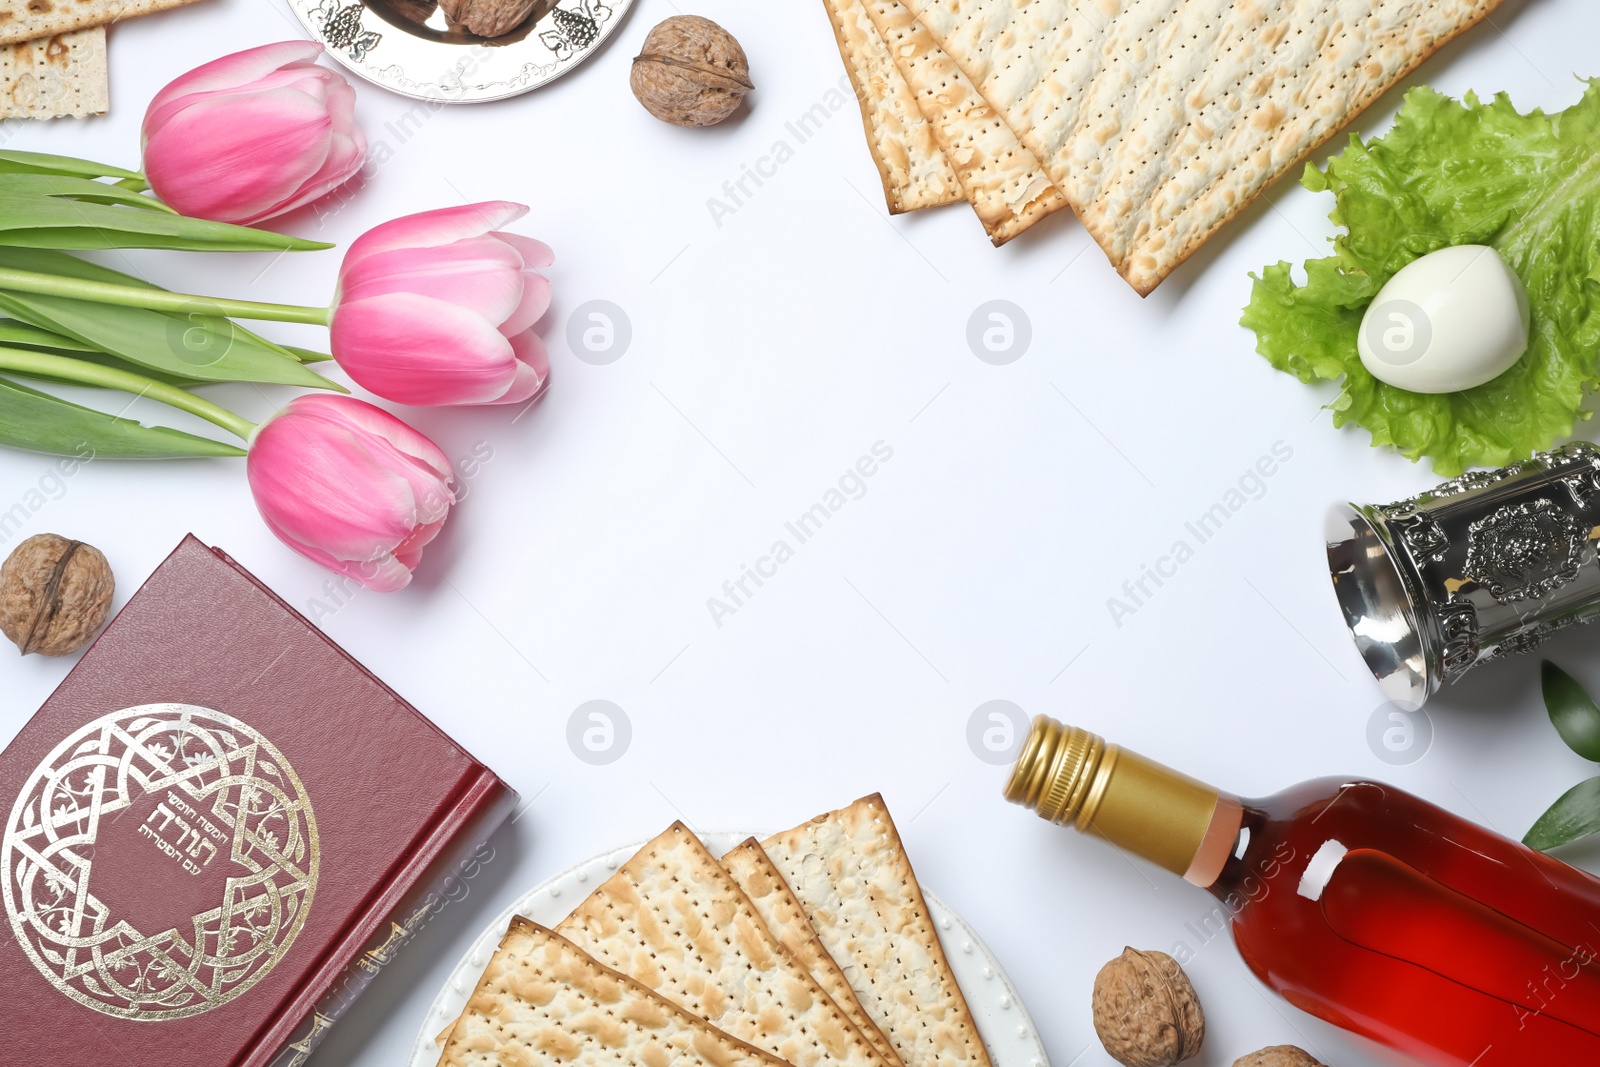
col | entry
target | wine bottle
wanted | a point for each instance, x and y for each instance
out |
(1357, 902)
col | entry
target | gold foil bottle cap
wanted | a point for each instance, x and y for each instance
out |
(1071, 776)
(1054, 771)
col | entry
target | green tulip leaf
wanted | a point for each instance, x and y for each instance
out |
(37, 422)
(56, 222)
(1574, 816)
(202, 349)
(1573, 711)
(16, 334)
(48, 261)
(43, 163)
(198, 347)
(100, 359)
(78, 189)
(307, 355)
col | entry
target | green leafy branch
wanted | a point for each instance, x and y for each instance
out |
(1577, 719)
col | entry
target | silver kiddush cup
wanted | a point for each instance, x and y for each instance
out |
(1487, 564)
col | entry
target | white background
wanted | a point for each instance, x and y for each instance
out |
(768, 354)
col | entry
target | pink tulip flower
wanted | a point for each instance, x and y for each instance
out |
(350, 487)
(439, 308)
(252, 135)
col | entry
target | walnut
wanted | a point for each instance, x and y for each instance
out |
(418, 11)
(691, 72)
(55, 595)
(488, 18)
(1279, 1056)
(1145, 1010)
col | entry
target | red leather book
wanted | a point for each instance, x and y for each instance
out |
(219, 829)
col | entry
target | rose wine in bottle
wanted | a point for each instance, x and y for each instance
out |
(1359, 903)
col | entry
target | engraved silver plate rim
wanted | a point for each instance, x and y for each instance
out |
(1008, 1031)
(393, 65)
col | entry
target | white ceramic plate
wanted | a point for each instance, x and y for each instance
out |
(1002, 1019)
(430, 61)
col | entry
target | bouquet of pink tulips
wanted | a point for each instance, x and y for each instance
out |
(434, 308)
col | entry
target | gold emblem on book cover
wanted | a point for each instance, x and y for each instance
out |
(193, 794)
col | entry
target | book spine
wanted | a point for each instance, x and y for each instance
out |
(443, 882)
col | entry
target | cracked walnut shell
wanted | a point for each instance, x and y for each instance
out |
(1146, 1011)
(1279, 1056)
(55, 594)
(691, 72)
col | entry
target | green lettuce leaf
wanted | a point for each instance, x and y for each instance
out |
(1454, 172)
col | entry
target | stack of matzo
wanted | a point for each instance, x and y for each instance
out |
(814, 949)
(53, 54)
(1156, 120)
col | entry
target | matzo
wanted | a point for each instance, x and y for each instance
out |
(24, 20)
(1005, 184)
(850, 872)
(1162, 119)
(672, 919)
(755, 875)
(543, 1003)
(55, 77)
(914, 172)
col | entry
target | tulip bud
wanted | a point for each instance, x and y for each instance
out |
(350, 487)
(252, 135)
(439, 308)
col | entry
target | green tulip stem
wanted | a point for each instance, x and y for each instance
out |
(27, 281)
(64, 369)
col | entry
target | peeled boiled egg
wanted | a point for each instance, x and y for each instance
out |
(1448, 321)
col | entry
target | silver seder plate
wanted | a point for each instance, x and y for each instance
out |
(407, 46)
